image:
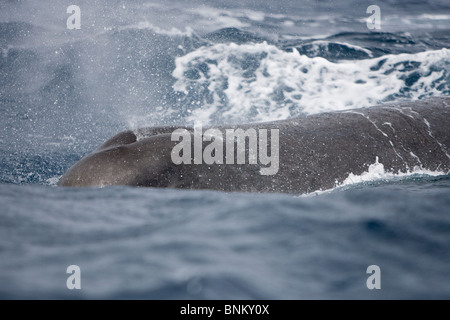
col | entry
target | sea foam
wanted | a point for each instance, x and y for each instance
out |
(260, 82)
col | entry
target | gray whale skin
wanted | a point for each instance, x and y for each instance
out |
(316, 152)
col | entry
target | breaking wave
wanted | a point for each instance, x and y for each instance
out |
(260, 82)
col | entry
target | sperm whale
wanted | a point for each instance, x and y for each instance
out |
(315, 152)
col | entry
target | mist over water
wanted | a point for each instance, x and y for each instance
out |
(147, 63)
(141, 63)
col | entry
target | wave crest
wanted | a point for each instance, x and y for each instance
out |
(260, 82)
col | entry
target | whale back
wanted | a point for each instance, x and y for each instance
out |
(316, 152)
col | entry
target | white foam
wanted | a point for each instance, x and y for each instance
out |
(377, 172)
(259, 82)
(53, 181)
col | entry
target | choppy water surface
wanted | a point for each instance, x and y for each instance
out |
(140, 63)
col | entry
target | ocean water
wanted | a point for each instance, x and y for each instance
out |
(141, 63)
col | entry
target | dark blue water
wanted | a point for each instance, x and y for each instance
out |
(139, 63)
